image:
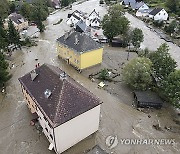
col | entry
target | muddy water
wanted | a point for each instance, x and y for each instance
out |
(152, 40)
(18, 137)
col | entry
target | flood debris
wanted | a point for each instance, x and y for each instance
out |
(157, 127)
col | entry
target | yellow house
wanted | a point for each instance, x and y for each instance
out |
(79, 50)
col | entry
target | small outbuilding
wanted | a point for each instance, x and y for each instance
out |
(147, 99)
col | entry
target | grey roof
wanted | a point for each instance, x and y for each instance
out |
(95, 12)
(155, 11)
(85, 42)
(67, 98)
(148, 96)
(126, 2)
(17, 18)
(82, 25)
(136, 5)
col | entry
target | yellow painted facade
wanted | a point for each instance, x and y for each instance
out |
(80, 60)
(30, 102)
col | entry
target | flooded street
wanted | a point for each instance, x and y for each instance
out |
(152, 40)
(117, 118)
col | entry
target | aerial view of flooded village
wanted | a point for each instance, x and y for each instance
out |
(89, 76)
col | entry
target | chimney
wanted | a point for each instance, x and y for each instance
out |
(76, 39)
(47, 93)
(33, 74)
(63, 76)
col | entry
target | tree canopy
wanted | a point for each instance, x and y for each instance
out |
(163, 63)
(4, 75)
(3, 37)
(137, 73)
(137, 37)
(13, 35)
(4, 8)
(171, 88)
(114, 23)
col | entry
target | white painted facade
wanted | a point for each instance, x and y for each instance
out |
(142, 13)
(95, 23)
(161, 15)
(72, 20)
(47, 130)
(93, 15)
(77, 129)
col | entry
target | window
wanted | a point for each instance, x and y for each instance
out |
(159, 13)
(51, 136)
(45, 118)
(46, 129)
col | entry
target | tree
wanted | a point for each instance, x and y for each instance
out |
(40, 13)
(163, 63)
(13, 35)
(114, 23)
(137, 37)
(137, 73)
(12, 7)
(172, 27)
(26, 11)
(172, 5)
(4, 75)
(4, 8)
(104, 75)
(171, 88)
(3, 37)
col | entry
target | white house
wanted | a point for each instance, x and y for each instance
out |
(142, 13)
(95, 22)
(67, 112)
(94, 15)
(158, 14)
(74, 18)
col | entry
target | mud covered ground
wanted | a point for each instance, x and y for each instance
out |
(118, 117)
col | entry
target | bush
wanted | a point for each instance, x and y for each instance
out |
(137, 73)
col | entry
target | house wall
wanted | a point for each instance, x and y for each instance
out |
(29, 101)
(19, 27)
(140, 14)
(68, 54)
(95, 24)
(77, 129)
(93, 15)
(162, 15)
(47, 130)
(73, 20)
(91, 58)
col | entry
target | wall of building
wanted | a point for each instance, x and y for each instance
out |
(162, 15)
(77, 129)
(72, 57)
(30, 102)
(47, 129)
(91, 58)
